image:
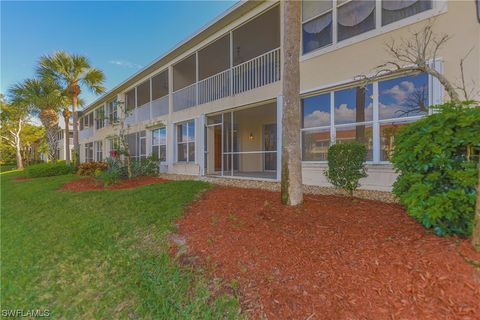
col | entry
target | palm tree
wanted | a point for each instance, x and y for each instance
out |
(291, 184)
(66, 137)
(46, 98)
(72, 72)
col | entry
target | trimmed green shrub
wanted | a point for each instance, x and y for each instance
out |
(90, 168)
(48, 169)
(109, 177)
(436, 157)
(146, 167)
(346, 165)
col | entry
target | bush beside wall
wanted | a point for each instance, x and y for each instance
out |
(436, 158)
(346, 165)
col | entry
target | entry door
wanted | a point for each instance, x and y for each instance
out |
(218, 147)
(270, 144)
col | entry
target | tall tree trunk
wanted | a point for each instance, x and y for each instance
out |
(76, 143)
(66, 137)
(18, 146)
(291, 184)
(476, 226)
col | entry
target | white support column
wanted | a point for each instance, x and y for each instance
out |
(170, 90)
(196, 78)
(150, 103)
(231, 63)
(170, 145)
(200, 143)
(148, 141)
(279, 136)
(135, 107)
(376, 125)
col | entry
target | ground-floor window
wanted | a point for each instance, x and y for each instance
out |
(159, 143)
(137, 145)
(369, 114)
(89, 152)
(186, 141)
(99, 150)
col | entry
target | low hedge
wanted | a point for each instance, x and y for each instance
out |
(91, 168)
(48, 169)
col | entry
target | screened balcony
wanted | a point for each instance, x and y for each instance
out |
(147, 100)
(243, 143)
(244, 59)
(184, 83)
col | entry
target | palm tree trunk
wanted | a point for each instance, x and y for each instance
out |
(291, 184)
(66, 137)
(76, 143)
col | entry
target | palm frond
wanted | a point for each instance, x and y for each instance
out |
(93, 80)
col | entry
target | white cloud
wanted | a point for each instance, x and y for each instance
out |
(317, 119)
(344, 114)
(125, 63)
(401, 91)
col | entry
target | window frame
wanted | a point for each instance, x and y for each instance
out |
(438, 7)
(89, 148)
(177, 143)
(159, 145)
(100, 122)
(98, 146)
(112, 110)
(435, 94)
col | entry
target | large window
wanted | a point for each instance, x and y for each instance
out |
(137, 145)
(99, 150)
(351, 18)
(186, 141)
(401, 100)
(100, 117)
(112, 110)
(394, 10)
(317, 24)
(86, 121)
(89, 152)
(159, 143)
(357, 114)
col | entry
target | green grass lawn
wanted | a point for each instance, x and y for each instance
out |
(100, 254)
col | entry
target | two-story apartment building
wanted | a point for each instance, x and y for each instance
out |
(213, 104)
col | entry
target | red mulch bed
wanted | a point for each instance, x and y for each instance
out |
(331, 258)
(21, 178)
(86, 184)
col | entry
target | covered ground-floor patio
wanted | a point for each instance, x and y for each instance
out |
(243, 142)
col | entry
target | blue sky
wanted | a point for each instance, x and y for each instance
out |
(118, 37)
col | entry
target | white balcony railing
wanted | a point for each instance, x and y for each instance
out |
(160, 106)
(214, 87)
(254, 73)
(143, 112)
(185, 97)
(86, 133)
(257, 72)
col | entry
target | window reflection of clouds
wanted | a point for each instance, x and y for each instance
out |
(404, 96)
(316, 111)
(346, 106)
